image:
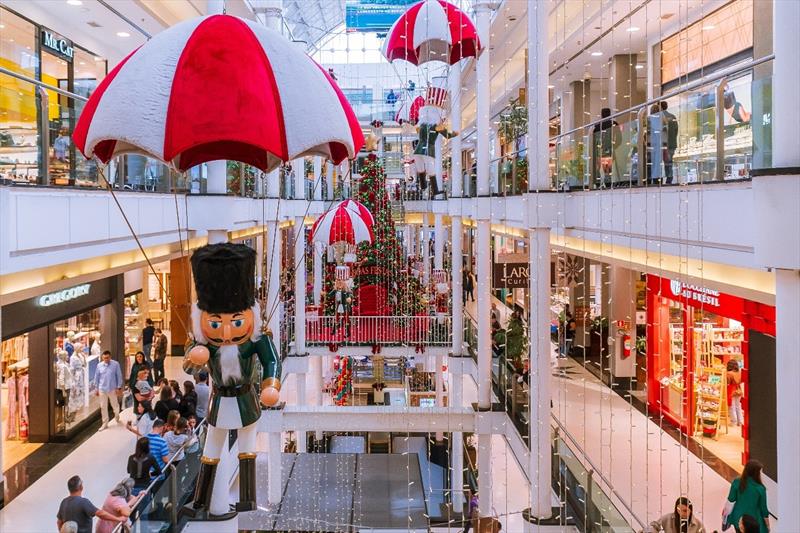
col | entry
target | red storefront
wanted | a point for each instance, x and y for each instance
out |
(692, 334)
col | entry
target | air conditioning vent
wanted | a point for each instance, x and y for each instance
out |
(94, 24)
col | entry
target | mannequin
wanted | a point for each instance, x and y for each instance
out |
(96, 349)
(63, 384)
(69, 342)
(77, 365)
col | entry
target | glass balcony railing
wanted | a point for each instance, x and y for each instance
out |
(714, 130)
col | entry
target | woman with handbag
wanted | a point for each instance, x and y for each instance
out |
(747, 496)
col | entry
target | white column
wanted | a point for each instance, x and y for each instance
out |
(457, 469)
(437, 166)
(786, 154)
(272, 19)
(317, 273)
(539, 460)
(456, 279)
(483, 325)
(317, 178)
(456, 178)
(274, 474)
(438, 243)
(274, 281)
(217, 180)
(300, 286)
(407, 239)
(485, 474)
(217, 183)
(299, 168)
(329, 180)
(301, 436)
(426, 254)
(482, 101)
(314, 382)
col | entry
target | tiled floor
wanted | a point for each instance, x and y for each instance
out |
(98, 457)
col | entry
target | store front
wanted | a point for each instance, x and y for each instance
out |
(36, 126)
(700, 342)
(51, 346)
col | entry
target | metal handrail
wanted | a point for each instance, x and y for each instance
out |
(169, 465)
(34, 81)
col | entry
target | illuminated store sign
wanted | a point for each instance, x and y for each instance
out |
(64, 296)
(694, 293)
(57, 44)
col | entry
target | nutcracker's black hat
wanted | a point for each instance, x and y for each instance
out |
(224, 277)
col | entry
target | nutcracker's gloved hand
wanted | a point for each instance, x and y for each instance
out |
(270, 396)
(198, 355)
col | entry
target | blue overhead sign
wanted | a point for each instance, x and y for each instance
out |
(374, 15)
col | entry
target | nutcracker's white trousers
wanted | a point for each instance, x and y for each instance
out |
(217, 440)
(425, 165)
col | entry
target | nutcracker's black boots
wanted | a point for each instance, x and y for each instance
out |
(202, 494)
(422, 181)
(247, 482)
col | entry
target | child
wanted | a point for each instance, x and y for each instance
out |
(143, 390)
(194, 447)
(177, 437)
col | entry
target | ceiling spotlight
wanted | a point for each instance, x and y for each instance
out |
(633, 29)
(639, 66)
(597, 54)
(708, 27)
(551, 86)
(75, 2)
(123, 34)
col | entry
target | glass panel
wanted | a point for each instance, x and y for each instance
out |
(18, 44)
(55, 72)
(19, 136)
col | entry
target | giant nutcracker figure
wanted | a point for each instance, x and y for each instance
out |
(431, 125)
(228, 342)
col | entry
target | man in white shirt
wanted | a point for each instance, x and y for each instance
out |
(108, 386)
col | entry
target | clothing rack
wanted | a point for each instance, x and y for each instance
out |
(15, 420)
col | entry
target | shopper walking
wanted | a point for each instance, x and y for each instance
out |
(747, 497)
(734, 391)
(147, 338)
(118, 504)
(469, 286)
(203, 392)
(680, 520)
(160, 354)
(108, 384)
(671, 127)
(76, 508)
(142, 466)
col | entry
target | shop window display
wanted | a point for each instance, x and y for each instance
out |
(78, 345)
(134, 322)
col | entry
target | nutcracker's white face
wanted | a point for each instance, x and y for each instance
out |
(227, 328)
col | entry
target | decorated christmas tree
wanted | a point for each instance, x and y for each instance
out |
(383, 284)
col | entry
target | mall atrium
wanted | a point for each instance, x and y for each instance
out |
(400, 266)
